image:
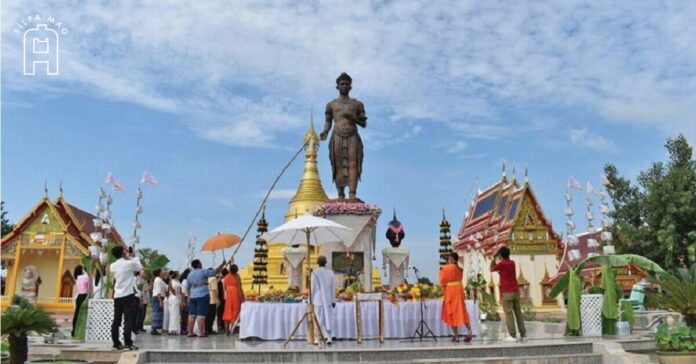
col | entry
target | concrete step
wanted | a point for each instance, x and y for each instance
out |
(555, 359)
(580, 352)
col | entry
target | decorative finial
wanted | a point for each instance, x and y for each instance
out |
(61, 188)
(526, 173)
(394, 213)
(504, 174)
(46, 188)
(514, 172)
(443, 214)
(263, 212)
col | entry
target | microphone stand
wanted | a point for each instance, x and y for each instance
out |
(422, 329)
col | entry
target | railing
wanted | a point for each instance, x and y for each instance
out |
(6, 300)
(65, 300)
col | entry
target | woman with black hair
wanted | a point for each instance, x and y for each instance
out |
(82, 283)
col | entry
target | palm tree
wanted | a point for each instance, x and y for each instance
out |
(20, 319)
(678, 293)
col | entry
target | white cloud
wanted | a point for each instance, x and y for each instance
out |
(587, 139)
(226, 202)
(245, 73)
(457, 147)
(278, 194)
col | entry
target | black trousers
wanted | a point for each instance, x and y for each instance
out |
(220, 312)
(142, 311)
(210, 319)
(78, 302)
(124, 311)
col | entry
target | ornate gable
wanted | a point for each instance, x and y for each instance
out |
(531, 232)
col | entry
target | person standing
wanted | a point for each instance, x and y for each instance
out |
(221, 301)
(199, 297)
(159, 291)
(82, 282)
(144, 286)
(454, 312)
(323, 297)
(212, 306)
(184, 300)
(123, 270)
(509, 293)
(174, 302)
(234, 296)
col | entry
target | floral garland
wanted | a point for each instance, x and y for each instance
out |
(348, 208)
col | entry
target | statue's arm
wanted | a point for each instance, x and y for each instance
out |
(328, 118)
(362, 118)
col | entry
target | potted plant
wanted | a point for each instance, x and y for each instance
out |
(676, 345)
(20, 319)
(678, 294)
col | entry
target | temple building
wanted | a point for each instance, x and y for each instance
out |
(509, 214)
(309, 195)
(50, 240)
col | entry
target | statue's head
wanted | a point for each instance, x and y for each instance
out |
(395, 232)
(29, 272)
(344, 83)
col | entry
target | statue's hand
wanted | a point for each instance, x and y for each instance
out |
(323, 135)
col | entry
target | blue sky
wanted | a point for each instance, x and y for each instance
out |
(213, 98)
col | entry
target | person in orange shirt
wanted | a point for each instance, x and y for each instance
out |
(454, 312)
(234, 296)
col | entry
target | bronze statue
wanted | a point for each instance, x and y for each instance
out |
(345, 146)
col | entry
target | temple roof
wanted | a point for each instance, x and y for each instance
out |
(493, 213)
(73, 220)
(585, 251)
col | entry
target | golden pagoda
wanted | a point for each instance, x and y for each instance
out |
(309, 194)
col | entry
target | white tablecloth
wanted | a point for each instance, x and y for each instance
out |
(275, 321)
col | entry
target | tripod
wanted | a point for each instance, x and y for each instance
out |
(422, 329)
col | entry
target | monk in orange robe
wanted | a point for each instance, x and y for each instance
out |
(234, 296)
(454, 312)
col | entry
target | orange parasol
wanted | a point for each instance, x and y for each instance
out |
(220, 242)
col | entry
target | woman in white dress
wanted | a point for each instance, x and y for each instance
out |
(174, 303)
(165, 306)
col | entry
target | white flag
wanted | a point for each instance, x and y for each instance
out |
(590, 188)
(109, 178)
(573, 183)
(148, 178)
(118, 185)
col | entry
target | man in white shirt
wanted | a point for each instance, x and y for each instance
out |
(323, 296)
(123, 270)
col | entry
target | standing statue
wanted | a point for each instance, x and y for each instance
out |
(345, 146)
(30, 283)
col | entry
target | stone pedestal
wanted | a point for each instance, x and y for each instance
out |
(361, 241)
(294, 257)
(396, 259)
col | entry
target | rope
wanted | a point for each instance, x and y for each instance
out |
(258, 211)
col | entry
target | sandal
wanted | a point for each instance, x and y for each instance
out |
(468, 338)
(455, 339)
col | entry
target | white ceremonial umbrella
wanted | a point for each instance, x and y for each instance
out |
(310, 230)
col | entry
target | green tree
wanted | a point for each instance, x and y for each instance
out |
(6, 225)
(152, 259)
(656, 216)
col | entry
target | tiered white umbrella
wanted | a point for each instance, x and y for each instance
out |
(310, 230)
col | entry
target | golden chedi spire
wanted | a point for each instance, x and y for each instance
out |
(310, 193)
